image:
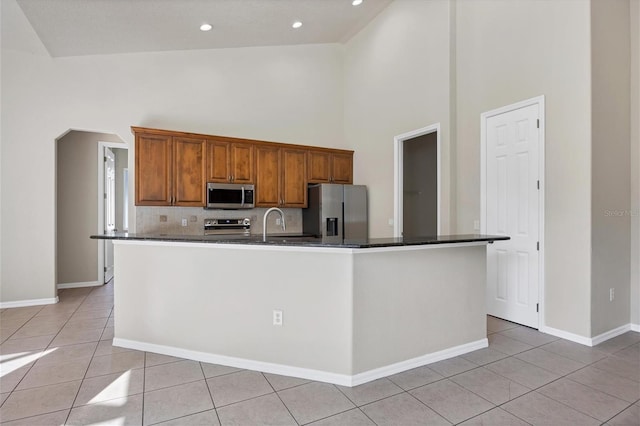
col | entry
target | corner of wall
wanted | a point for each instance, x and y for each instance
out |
(635, 164)
(610, 166)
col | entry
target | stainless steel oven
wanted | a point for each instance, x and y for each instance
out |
(230, 196)
(240, 226)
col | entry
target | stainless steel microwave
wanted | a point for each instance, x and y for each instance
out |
(230, 196)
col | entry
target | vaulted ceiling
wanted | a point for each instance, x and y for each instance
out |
(94, 27)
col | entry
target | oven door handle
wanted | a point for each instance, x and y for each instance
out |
(242, 202)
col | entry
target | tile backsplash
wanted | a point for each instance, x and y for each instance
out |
(168, 220)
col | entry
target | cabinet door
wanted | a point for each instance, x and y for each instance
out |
(319, 167)
(153, 170)
(342, 168)
(188, 172)
(242, 163)
(294, 178)
(217, 162)
(267, 176)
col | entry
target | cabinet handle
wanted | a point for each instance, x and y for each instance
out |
(229, 178)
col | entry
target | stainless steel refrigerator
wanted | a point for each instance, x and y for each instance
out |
(336, 212)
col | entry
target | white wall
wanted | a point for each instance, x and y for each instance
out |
(610, 174)
(287, 94)
(465, 57)
(122, 162)
(635, 162)
(396, 80)
(508, 51)
(77, 206)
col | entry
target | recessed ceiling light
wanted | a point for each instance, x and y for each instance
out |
(297, 24)
(356, 2)
(205, 27)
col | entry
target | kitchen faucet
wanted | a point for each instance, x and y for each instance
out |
(264, 221)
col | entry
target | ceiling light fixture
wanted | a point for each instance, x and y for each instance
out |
(205, 27)
(297, 24)
(356, 2)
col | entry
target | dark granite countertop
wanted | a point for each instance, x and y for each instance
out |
(304, 241)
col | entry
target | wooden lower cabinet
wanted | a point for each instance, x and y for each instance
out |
(281, 177)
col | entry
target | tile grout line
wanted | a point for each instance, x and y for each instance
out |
(281, 401)
(546, 384)
(88, 365)
(25, 323)
(606, 355)
(553, 381)
(41, 350)
(144, 383)
(359, 407)
(215, 409)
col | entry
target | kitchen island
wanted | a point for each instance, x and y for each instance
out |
(352, 312)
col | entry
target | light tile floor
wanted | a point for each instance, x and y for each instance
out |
(57, 366)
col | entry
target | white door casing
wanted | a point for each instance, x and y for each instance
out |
(398, 151)
(109, 210)
(512, 205)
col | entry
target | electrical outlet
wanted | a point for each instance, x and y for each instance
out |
(476, 225)
(612, 294)
(277, 317)
(184, 222)
(390, 222)
(277, 221)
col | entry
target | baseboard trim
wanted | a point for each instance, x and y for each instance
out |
(304, 373)
(79, 285)
(610, 334)
(420, 361)
(566, 335)
(635, 327)
(590, 341)
(30, 302)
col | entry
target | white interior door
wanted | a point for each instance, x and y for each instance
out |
(109, 210)
(512, 209)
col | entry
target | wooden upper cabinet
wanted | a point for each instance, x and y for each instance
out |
(281, 177)
(342, 168)
(267, 176)
(173, 168)
(153, 170)
(169, 171)
(293, 183)
(189, 172)
(229, 162)
(319, 167)
(241, 163)
(217, 161)
(326, 166)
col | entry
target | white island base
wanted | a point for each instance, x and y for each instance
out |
(349, 315)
